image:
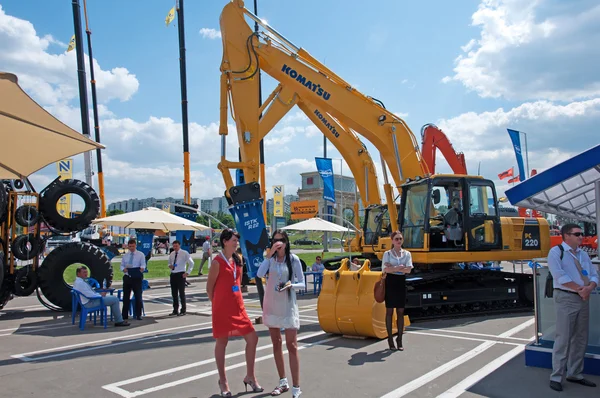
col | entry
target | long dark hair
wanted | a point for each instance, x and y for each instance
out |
(226, 235)
(288, 254)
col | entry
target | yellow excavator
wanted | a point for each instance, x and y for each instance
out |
(450, 223)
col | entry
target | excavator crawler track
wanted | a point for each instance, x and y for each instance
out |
(454, 293)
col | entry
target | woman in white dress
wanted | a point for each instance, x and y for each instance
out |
(280, 310)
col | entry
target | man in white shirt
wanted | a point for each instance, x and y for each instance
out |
(85, 289)
(178, 260)
(133, 265)
(206, 255)
(575, 277)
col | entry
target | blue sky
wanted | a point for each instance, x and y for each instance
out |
(472, 67)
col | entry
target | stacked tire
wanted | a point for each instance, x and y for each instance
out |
(51, 195)
(50, 275)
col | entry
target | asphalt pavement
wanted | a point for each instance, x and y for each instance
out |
(43, 354)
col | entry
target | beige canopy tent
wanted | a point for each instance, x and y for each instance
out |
(151, 218)
(31, 137)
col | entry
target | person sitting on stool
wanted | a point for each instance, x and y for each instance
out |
(177, 263)
(133, 265)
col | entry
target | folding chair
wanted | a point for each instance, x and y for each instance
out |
(100, 309)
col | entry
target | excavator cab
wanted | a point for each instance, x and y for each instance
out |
(376, 224)
(450, 213)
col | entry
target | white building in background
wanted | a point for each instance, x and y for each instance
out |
(346, 194)
(130, 205)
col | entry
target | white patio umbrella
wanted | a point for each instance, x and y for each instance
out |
(151, 218)
(316, 224)
(31, 137)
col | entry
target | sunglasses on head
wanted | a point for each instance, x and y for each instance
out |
(577, 234)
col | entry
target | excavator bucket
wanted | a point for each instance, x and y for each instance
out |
(347, 304)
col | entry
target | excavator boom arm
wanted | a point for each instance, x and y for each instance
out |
(433, 138)
(326, 99)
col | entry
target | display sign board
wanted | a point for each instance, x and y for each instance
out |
(304, 209)
(64, 169)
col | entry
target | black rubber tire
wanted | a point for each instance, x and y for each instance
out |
(17, 184)
(55, 191)
(25, 281)
(27, 216)
(21, 251)
(3, 203)
(50, 274)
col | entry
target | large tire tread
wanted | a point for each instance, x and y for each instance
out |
(50, 274)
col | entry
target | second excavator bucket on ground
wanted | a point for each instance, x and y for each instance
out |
(347, 306)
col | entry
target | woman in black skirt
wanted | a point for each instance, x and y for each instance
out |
(397, 262)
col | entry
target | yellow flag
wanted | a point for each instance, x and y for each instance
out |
(71, 44)
(170, 16)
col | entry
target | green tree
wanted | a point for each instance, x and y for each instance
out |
(202, 219)
(114, 212)
(226, 219)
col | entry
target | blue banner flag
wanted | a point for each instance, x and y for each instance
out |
(325, 169)
(515, 137)
(250, 224)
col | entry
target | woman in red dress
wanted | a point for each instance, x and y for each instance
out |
(229, 316)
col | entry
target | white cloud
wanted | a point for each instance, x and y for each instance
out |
(287, 173)
(298, 116)
(554, 133)
(401, 115)
(542, 49)
(52, 78)
(210, 33)
(50, 39)
(312, 131)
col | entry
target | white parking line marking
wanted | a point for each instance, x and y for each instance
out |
(448, 366)
(517, 328)
(410, 328)
(437, 372)
(116, 387)
(27, 356)
(463, 338)
(474, 378)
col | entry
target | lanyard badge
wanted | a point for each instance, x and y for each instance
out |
(235, 287)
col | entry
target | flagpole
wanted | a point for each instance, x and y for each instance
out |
(526, 154)
(95, 111)
(187, 197)
(259, 285)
